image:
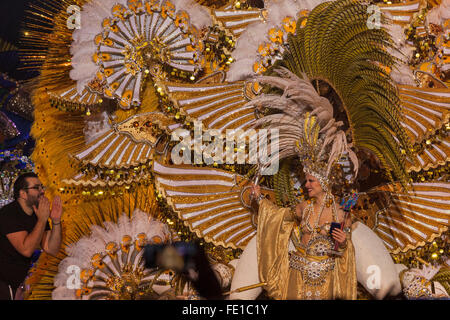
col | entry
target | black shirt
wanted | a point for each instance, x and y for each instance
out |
(14, 266)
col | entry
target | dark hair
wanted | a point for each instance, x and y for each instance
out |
(21, 182)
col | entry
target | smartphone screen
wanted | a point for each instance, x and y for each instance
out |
(333, 226)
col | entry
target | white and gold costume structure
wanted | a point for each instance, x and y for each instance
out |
(111, 94)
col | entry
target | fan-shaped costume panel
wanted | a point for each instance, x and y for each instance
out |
(406, 220)
(424, 110)
(435, 154)
(130, 143)
(401, 13)
(94, 180)
(218, 106)
(209, 201)
(139, 40)
(236, 21)
(111, 261)
(70, 94)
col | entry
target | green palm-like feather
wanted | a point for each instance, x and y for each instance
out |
(336, 46)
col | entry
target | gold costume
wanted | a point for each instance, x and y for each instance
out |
(280, 262)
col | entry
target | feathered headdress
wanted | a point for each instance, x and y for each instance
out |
(307, 128)
(311, 151)
(352, 65)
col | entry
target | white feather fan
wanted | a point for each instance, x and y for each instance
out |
(246, 51)
(107, 244)
(92, 15)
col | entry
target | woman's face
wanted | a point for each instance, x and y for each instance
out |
(313, 186)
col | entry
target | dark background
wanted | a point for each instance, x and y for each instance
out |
(12, 15)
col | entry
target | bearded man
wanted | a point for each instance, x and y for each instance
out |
(24, 227)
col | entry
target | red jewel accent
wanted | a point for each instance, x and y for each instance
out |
(136, 124)
(148, 124)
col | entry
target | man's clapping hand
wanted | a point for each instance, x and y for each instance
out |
(43, 209)
(56, 212)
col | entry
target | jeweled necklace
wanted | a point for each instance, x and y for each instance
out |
(316, 228)
(311, 211)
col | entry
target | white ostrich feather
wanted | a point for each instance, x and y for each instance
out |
(428, 272)
(279, 9)
(96, 126)
(439, 14)
(401, 73)
(92, 15)
(242, 68)
(83, 47)
(199, 15)
(414, 276)
(246, 52)
(299, 96)
(79, 254)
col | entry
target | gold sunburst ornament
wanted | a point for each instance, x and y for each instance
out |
(110, 262)
(141, 39)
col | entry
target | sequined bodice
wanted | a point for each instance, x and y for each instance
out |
(318, 245)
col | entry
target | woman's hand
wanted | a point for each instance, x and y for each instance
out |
(339, 236)
(256, 190)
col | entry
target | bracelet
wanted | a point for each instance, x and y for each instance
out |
(343, 247)
(258, 198)
(55, 224)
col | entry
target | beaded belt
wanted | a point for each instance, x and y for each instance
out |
(313, 272)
